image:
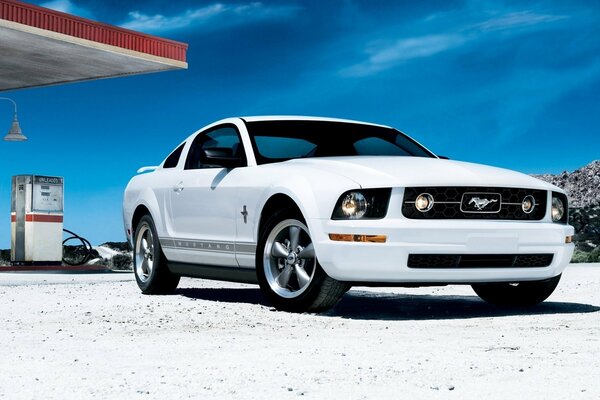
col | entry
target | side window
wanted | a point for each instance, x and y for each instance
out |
(173, 159)
(226, 137)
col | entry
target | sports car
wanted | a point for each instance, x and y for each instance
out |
(308, 207)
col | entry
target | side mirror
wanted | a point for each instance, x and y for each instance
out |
(221, 156)
(443, 157)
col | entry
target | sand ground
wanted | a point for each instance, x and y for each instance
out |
(95, 336)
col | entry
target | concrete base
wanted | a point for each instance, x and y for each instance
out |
(51, 268)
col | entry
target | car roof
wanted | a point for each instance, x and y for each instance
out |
(259, 118)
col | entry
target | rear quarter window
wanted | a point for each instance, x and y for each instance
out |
(173, 159)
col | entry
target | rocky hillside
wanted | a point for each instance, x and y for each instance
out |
(583, 189)
(114, 255)
(582, 185)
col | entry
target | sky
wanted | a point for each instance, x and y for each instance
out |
(515, 84)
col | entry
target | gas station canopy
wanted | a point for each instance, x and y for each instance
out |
(40, 47)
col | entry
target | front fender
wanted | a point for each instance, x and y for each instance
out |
(315, 197)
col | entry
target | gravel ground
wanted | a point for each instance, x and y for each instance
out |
(95, 336)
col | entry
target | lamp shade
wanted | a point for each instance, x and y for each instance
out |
(15, 134)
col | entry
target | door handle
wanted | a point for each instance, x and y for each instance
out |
(178, 188)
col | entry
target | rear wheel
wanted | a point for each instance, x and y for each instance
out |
(518, 294)
(150, 265)
(288, 271)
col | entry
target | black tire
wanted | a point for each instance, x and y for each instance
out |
(157, 279)
(518, 294)
(321, 294)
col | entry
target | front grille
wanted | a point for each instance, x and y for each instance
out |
(460, 202)
(478, 260)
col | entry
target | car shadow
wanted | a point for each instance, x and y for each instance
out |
(226, 295)
(363, 305)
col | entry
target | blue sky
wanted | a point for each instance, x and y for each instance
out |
(511, 84)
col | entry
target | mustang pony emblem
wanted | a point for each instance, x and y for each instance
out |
(480, 204)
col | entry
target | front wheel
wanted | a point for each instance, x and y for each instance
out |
(288, 271)
(150, 265)
(518, 294)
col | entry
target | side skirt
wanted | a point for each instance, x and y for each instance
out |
(229, 274)
(402, 284)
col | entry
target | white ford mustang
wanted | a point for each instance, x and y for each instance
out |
(308, 207)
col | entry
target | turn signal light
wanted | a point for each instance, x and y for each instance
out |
(569, 239)
(346, 237)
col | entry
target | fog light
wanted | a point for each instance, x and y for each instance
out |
(528, 204)
(558, 209)
(424, 202)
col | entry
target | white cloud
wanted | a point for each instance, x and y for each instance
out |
(517, 20)
(383, 57)
(67, 6)
(388, 56)
(207, 16)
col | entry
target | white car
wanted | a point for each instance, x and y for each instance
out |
(308, 207)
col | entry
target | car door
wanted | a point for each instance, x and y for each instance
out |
(162, 186)
(203, 202)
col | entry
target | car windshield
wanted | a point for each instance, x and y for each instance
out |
(276, 141)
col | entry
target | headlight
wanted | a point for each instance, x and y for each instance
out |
(424, 202)
(354, 205)
(558, 209)
(362, 204)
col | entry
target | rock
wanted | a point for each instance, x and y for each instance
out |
(582, 185)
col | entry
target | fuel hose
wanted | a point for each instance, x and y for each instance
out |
(81, 253)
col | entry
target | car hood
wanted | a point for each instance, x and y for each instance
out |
(384, 171)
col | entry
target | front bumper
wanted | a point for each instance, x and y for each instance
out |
(387, 262)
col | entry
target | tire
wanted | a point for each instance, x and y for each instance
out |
(518, 294)
(291, 278)
(149, 262)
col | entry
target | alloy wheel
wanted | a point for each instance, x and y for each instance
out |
(144, 253)
(289, 259)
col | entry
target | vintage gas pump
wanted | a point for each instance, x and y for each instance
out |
(36, 220)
